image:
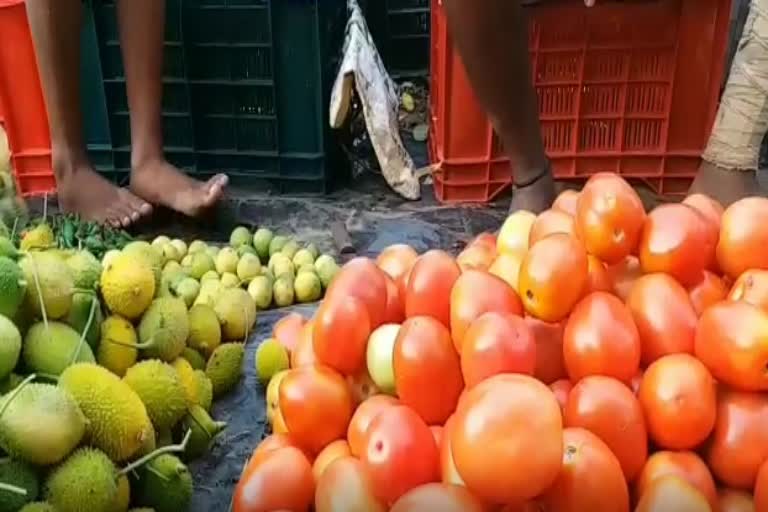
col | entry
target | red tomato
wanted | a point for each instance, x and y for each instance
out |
(304, 353)
(345, 486)
(425, 360)
(448, 472)
(485, 238)
(732, 341)
(634, 384)
(609, 218)
(497, 343)
(761, 488)
(623, 276)
(566, 202)
(676, 241)
(732, 500)
(363, 416)
(328, 456)
(672, 493)
(600, 338)
(288, 329)
(590, 479)
(340, 333)
(608, 409)
(396, 260)
(743, 237)
(751, 287)
(550, 365)
(437, 433)
(516, 419)
(710, 208)
(739, 442)
(708, 291)
(271, 443)
(282, 480)
(664, 317)
(478, 256)
(507, 267)
(685, 465)
(679, 401)
(561, 389)
(467, 304)
(436, 496)
(316, 406)
(362, 279)
(395, 303)
(549, 222)
(361, 386)
(429, 286)
(553, 276)
(598, 279)
(400, 453)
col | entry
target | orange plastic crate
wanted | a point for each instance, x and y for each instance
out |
(627, 87)
(23, 108)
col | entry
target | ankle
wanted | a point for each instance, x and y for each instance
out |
(68, 162)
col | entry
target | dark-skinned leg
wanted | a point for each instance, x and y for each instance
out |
(55, 26)
(142, 25)
(725, 185)
(491, 37)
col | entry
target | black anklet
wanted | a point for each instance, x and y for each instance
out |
(547, 169)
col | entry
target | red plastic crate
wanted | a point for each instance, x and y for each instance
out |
(627, 87)
(23, 107)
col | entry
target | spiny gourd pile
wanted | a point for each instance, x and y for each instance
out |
(105, 365)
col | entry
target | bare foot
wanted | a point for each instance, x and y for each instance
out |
(161, 183)
(725, 185)
(81, 190)
(536, 197)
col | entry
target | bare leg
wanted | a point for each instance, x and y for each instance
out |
(724, 184)
(142, 25)
(55, 28)
(491, 36)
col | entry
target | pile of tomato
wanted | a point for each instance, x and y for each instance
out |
(592, 358)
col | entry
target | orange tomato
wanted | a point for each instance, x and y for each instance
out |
(623, 276)
(507, 267)
(425, 360)
(672, 493)
(516, 419)
(710, 208)
(467, 304)
(553, 276)
(634, 384)
(751, 287)
(437, 496)
(345, 486)
(550, 365)
(664, 317)
(269, 444)
(549, 222)
(732, 500)
(679, 401)
(400, 453)
(395, 303)
(437, 433)
(282, 480)
(396, 260)
(739, 443)
(478, 256)
(609, 218)
(598, 279)
(743, 237)
(304, 353)
(361, 386)
(328, 455)
(708, 291)
(600, 338)
(316, 406)
(566, 202)
(288, 329)
(363, 416)
(590, 479)
(561, 389)
(429, 286)
(362, 279)
(685, 465)
(761, 488)
(448, 473)
(732, 341)
(609, 409)
(485, 238)
(340, 333)
(497, 343)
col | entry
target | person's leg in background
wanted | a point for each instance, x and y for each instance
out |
(55, 26)
(491, 37)
(142, 24)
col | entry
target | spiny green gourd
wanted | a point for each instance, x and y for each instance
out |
(10, 346)
(123, 496)
(128, 285)
(159, 387)
(52, 348)
(204, 390)
(203, 430)
(165, 484)
(22, 475)
(225, 367)
(236, 311)
(39, 237)
(194, 358)
(116, 350)
(118, 422)
(86, 270)
(7, 249)
(151, 255)
(188, 380)
(40, 423)
(80, 313)
(85, 482)
(13, 287)
(48, 279)
(38, 506)
(204, 329)
(164, 329)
